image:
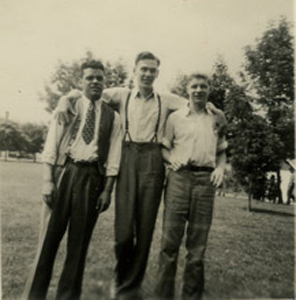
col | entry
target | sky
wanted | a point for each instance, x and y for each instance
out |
(187, 36)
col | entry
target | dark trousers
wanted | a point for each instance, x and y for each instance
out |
(138, 195)
(78, 191)
(189, 199)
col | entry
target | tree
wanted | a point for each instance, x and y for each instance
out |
(11, 137)
(67, 77)
(35, 137)
(249, 135)
(179, 85)
(251, 148)
(270, 65)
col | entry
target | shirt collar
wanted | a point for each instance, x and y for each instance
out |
(137, 93)
(187, 110)
(86, 102)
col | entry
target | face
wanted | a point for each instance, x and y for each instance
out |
(92, 83)
(146, 71)
(198, 90)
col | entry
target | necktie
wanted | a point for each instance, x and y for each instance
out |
(89, 126)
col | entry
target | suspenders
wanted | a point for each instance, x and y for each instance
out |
(127, 133)
(126, 118)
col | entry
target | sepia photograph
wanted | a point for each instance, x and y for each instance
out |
(147, 149)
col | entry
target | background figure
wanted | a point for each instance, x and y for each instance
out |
(291, 187)
(272, 189)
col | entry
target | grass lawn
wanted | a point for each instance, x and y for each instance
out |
(249, 255)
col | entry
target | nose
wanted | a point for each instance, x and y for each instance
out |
(148, 72)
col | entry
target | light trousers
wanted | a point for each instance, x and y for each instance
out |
(189, 201)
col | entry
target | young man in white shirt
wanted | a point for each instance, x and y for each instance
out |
(195, 151)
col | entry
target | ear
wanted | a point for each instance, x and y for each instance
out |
(156, 73)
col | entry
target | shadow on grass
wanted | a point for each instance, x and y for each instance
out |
(272, 212)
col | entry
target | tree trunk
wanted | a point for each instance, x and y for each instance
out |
(6, 154)
(250, 197)
(279, 181)
(34, 157)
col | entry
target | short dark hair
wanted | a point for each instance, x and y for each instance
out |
(92, 64)
(146, 55)
(198, 75)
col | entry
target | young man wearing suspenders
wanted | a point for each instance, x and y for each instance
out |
(140, 181)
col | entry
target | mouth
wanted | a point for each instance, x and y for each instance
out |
(96, 88)
(198, 96)
(147, 81)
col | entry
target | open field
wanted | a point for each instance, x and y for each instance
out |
(250, 254)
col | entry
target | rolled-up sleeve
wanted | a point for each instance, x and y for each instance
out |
(113, 97)
(222, 144)
(54, 135)
(114, 155)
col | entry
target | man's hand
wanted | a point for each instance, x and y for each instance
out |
(49, 193)
(175, 164)
(219, 116)
(217, 176)
(103, 201)
(64, 108)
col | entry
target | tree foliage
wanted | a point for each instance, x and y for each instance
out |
(11, 137)
(34, 137)
(179, 85)
(23, 138)
(270, 65)
(249, 135)
(67, 77)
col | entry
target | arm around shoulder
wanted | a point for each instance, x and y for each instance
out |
(114, 96)
(66, 106)
(220, 118)
(175, 102)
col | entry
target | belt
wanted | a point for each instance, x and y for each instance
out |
(82, 162)
(199, 169)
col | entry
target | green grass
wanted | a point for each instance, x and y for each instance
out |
(249, 255)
